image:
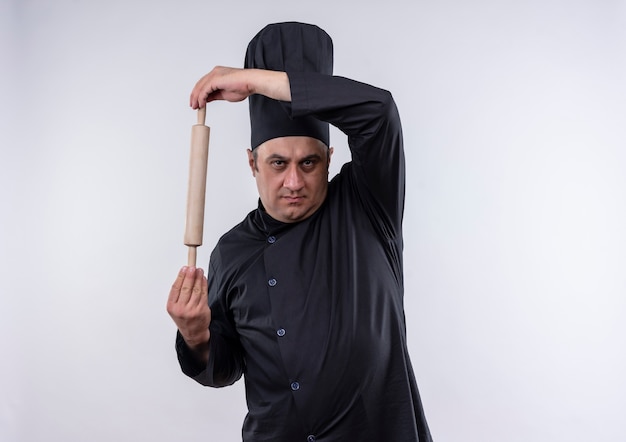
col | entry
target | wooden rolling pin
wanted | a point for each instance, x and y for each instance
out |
(196, 192)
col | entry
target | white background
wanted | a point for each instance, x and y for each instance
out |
(514, 117)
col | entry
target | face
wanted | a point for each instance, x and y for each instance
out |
(291, 175)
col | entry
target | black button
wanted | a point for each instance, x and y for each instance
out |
(295, 386)
(310, 438)
(271, 239)
(280, 332)
(272, 282)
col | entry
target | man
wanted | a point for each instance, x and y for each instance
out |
(305, 296)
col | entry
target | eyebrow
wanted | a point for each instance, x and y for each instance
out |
(276, 156)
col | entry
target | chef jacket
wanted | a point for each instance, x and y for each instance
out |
(311, 313)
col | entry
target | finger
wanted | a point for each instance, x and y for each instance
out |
(202, 286)
(214, 95)
(193, 98)
(178, 283)
(196, 292)
(187, 286)
(194, 102)
(205, 291)
(199, 98)
(200, 91)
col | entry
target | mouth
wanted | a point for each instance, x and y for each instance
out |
(293, 199)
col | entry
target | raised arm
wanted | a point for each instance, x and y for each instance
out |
(369, 117)
(366, 114)
(234, 84)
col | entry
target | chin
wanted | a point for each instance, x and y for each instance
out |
(292, 217)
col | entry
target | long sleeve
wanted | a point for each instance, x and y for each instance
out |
(369, 117)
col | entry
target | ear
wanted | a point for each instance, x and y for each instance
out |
(330, 154)
(251, 162)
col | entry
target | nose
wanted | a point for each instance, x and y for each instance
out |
(293, 179)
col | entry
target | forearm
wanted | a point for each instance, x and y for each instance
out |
(369, 117)
(357, 109)
(234, 84)
(221, 365)
(272, 84)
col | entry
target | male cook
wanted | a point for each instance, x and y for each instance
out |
(305, 296)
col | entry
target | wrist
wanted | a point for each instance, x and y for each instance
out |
(199, 347)
(272, 84)
(197, 340)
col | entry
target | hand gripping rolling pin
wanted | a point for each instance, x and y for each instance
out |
(197, 186)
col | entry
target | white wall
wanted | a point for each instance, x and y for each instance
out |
(515, 248)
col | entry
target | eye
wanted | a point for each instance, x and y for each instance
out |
(308, 163)
(278, 163)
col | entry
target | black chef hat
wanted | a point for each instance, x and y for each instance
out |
(288, 47)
